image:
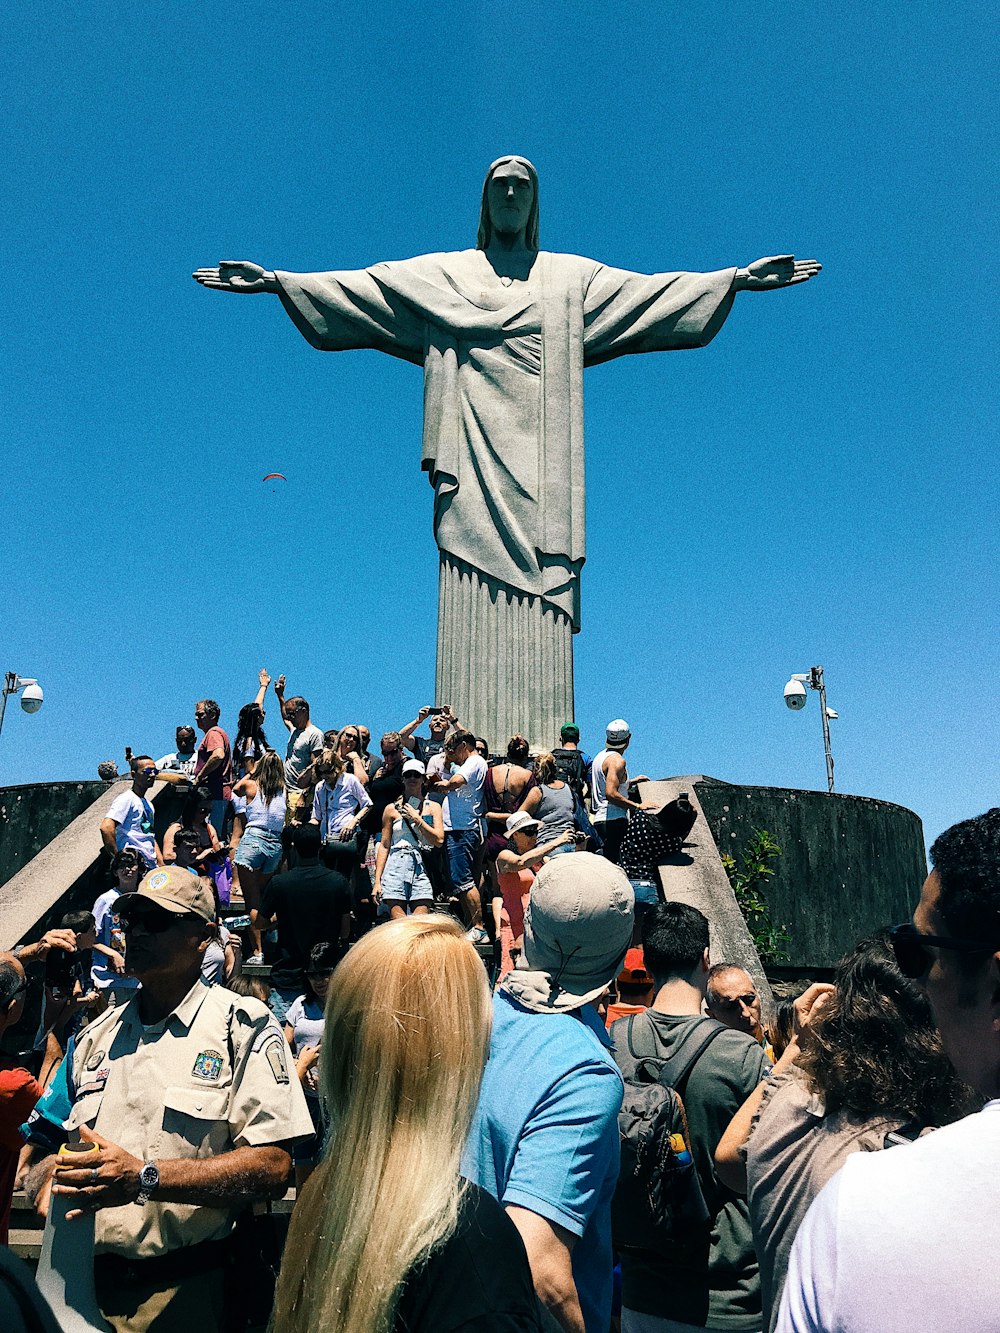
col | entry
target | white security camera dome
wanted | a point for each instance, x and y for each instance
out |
(32, 698)
(795, 695)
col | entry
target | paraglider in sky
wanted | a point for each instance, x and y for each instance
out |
(271, 476)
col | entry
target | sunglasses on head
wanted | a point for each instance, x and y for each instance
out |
(909, 947)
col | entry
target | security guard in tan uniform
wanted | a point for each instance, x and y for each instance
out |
(188, 1092)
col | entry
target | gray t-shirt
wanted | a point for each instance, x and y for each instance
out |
(303, 743)
(793, 1150)
(720, 1288)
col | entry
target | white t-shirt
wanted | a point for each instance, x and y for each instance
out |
(111, 933)
(903, 1240)
(133, 816)
(303, 743)
(463, 807)
(334, 806)
(178, 763)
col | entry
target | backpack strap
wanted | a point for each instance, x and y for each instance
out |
(677, 1067)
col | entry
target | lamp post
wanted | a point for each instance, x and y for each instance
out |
(29, 690)
(795, 698)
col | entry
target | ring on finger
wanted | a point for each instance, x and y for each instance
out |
(93, 1175)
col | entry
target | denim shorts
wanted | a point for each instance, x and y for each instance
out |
(461, 846)
(404, 879)
(645, 892)
(259, 850)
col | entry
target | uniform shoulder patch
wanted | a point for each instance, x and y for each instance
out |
(275, 1052)
(208, 1066)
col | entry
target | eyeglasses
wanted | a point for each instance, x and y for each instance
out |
(909, 946)
(147, 772)
(153, 923)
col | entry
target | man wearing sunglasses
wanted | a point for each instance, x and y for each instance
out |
(18, 1089)
(907, 1239)
(129, 821)
(187, 1092)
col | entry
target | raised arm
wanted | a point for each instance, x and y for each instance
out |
(406, 733)
(279, 690)
(264, 677)
(730, 1163)
(237, 275)
(509, 862)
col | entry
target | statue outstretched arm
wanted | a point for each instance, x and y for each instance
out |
(237, 275)
(767, 275)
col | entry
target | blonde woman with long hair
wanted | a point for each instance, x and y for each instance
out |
(387, 1236)
(260, 802)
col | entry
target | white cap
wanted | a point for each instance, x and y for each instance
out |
(414, 766)
(617, 731)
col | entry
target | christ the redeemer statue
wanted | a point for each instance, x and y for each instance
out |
(503, 333)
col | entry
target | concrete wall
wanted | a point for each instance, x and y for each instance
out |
(849, 864)
(32, 815)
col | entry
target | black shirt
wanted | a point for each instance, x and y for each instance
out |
(383, 790)
(478, 1281)
(309, 902)
(425, 749)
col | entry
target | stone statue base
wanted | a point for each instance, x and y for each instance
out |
(504, 659)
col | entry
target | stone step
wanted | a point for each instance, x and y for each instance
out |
(23, 1216)
(27, 1245)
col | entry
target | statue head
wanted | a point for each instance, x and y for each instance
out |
(509, 181)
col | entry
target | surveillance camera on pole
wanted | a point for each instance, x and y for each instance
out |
(795, 694)
(29, 689)
(795, 699)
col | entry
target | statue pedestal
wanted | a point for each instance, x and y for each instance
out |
(504, 659)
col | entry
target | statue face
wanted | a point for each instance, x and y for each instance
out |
(510, 197)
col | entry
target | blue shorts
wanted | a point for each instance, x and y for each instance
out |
(461, 846)
(259, 850)
(645, 892)
(404, 879)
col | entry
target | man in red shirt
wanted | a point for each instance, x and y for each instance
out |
(214, 765)
(18, 1090)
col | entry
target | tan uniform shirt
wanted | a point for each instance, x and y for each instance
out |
(214, 1075)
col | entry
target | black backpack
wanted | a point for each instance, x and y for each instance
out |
(571, 768)
(659, 1203)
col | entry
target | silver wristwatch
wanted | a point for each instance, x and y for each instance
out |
(149, 1178)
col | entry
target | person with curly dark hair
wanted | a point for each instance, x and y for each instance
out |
(250, 744)
(865, 1064)
(907, 1239)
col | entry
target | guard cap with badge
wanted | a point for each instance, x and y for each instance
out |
(174, 889)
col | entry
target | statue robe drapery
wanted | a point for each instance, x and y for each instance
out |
(503, 416)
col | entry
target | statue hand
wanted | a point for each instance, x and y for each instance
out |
(765, 275)
(236, 276)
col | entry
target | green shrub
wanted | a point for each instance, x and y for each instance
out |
(747, 877)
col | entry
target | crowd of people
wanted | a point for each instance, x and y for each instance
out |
(598, 1124)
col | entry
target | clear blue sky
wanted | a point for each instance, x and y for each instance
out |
(818, 486)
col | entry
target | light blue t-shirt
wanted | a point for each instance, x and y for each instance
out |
(545, 1134)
